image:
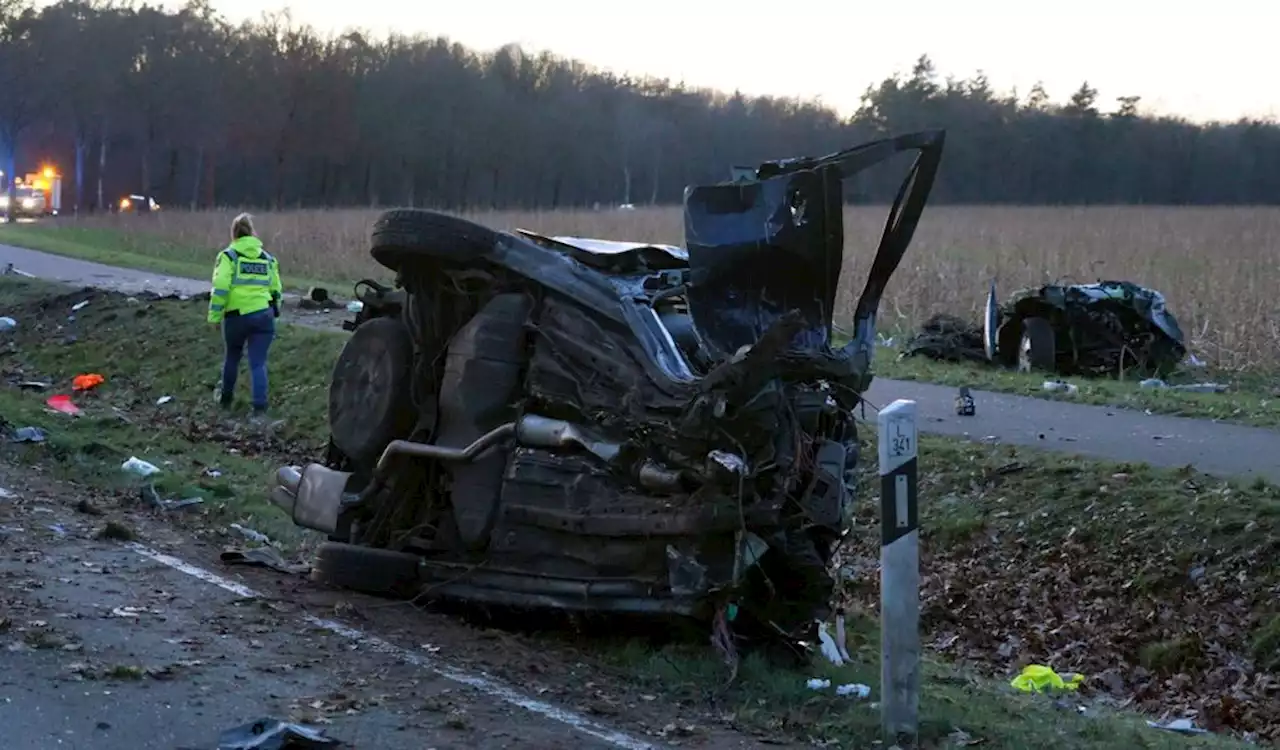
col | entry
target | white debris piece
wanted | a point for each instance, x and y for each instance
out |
(137, 466)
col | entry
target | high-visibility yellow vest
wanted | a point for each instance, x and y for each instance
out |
(246, 279)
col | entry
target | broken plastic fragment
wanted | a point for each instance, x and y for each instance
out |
(86, 381)
(137, 466)
(1186, 387)
(251, 535)
(829, 648)
(28, 435)
(77, 307)
(262, 557)
(163, 400)
(855, 689)
(62, 403)
(1185, 726)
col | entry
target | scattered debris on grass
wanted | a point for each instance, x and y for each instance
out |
(28, 435)
(151, 496)
(62, 403)
(1150, 582)
(1060, 386)
(139, 467)
(251, 535)
(1182, 726)
(87, 381)
(1187, 387)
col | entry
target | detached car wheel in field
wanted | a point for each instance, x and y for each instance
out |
(1037, 350)
(404, 235)
(381, 572)
(369, 403)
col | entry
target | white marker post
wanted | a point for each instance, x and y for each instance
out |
(899, 575)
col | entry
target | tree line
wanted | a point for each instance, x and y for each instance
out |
(196, 111)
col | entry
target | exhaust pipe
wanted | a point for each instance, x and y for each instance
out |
(313, 497)
(289, 477)
(442, 453)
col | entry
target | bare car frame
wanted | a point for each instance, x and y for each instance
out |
(529, 421)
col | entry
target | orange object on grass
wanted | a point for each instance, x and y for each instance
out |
(85, 382)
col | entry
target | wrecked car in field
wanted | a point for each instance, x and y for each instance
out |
(569, 424)
(1103, 329)
(1107, 328)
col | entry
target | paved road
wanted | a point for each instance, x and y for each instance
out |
(102, 647)
(76, 272)
(1123, 435)
(1101, 432)
(84, 273)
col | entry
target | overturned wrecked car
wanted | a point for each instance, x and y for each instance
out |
(1104, 329)
(569, 424)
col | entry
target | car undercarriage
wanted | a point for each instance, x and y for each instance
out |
(559, 423)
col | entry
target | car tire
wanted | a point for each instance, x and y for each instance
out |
(405, 235)
(1037, 349)
(369, 402)
(369, 570)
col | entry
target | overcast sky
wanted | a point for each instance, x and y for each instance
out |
(1194, 59)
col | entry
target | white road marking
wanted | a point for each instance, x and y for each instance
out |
(483, 683)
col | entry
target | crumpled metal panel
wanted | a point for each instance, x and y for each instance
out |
(760, 249)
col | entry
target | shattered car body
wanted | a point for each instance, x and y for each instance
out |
(1101, 329)
(552, 422)
(1105, 328)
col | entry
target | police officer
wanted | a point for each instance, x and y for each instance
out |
(245, 301)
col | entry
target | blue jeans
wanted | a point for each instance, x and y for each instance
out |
(254, 331)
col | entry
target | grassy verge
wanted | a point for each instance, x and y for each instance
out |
(1251, 400)
(148, 350)
(958, 707)
(138, 250)
(1154, 584)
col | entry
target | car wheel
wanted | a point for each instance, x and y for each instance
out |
(369, 402)
(1037, 349)
(381, 572)
(404, 235)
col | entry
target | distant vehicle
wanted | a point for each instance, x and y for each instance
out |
(27, 202)
(138, 204)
